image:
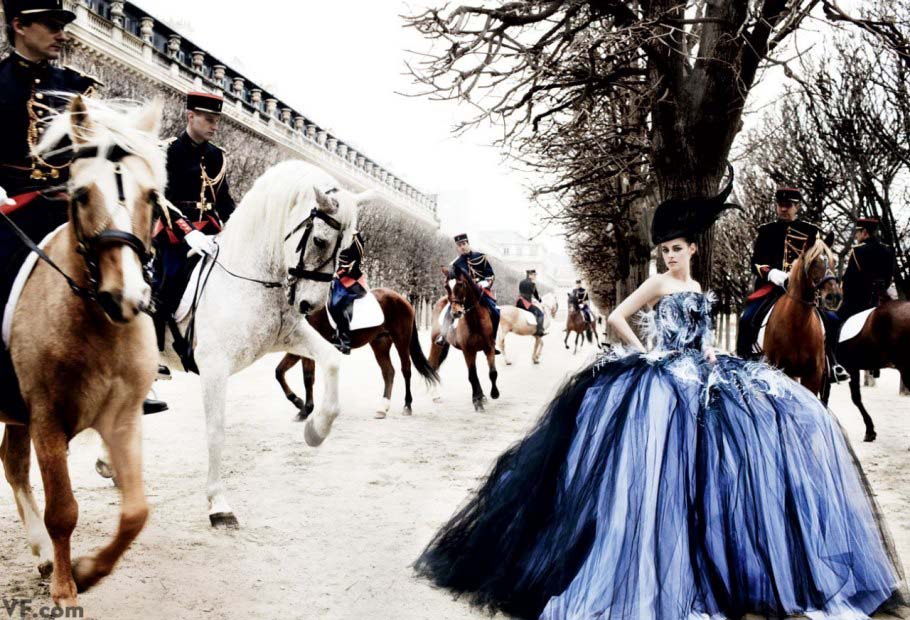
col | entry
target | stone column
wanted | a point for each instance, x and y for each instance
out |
(360, 162)
(270, 106)
(311, 131)
(299, 122)
(321, 137)
(173, 45)
(342, 150)
(237, 87)
(286, 114)
(218, 75)
(331, 143)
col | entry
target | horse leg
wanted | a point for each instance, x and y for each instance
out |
(491, 362)
(566, 341)
(857, 398)
(501, 345)
(307, 342)
(214, 393)
(470, 360)
(538, 347)
(578, 337)
(125, 444)
(61, 512)
(15, 452)
(438, 354)
(287, 362)
(309, 377)
(402, 345)
(381, 347)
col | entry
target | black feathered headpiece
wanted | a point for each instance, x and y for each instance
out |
(688, 217)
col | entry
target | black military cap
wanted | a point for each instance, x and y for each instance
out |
(577, 281)
(460, 238)
(788, 194)
(204, 102)
(531, 272)
(37, 9)
(871, 224)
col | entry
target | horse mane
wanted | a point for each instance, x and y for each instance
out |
(261, 221)
(112, 125)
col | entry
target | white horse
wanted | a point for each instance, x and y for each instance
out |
(515, 320)
(238, 321)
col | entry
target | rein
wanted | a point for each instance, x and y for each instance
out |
(816, 286)
(299, 271)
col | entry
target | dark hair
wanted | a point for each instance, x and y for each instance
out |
(11, 32)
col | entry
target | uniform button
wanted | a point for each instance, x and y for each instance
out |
(39, 96)
(37, 80)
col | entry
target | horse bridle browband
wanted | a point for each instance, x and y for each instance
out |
(299, 271)
(829, 275)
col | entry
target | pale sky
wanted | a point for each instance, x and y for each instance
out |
(342, 63)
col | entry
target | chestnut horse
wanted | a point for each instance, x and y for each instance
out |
(883, 342)
(575, 322)
(472, 333)
(399, 328)
(86, 360)
(795, 337)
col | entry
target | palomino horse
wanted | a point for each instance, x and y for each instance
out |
(575, 322)
(472, 333)
(794, 337)
(294, 219)
(87, 360)
(515, 320)
(399, 328)
(883, 342)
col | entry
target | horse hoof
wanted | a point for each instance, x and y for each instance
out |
(104, 470)
(494, 393)
(437, 399)
(45, 569)
(297, 402)
(84, 574)
(478, 405)
(380, 415)
(407, 411)
(224, 521)
(312, 438)
(302, 416)
(870, 436)
(508, 362)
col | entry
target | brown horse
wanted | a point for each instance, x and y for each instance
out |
(87, 360)
(795, 337)
(473, 333)
(883, 342)
(399, 328)
(575, 323)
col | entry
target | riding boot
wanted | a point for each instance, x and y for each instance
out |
(150, 406)
(494, 316)
(343, 327)
(540, 331)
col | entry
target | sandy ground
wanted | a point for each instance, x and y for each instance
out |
(330, 533)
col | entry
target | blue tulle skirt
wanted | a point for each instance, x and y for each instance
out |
(664, 488)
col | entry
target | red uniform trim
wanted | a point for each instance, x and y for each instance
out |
(760, 292)
(348, 282)
(185, 227)
(21, 200)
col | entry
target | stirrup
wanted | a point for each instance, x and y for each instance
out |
(164, 373)
(839, 373)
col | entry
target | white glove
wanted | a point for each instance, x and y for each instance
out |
(4, 199)
(778, 277)
(484, 284)
(200, 243)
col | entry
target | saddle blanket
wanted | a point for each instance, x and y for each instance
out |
(447, 312)
(530, 319)
(189, 292)
(854, 325)
(19, 283)
(367, 313)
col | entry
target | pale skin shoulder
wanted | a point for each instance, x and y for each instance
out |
(650, 291)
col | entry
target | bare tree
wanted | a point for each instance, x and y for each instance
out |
(666, 78)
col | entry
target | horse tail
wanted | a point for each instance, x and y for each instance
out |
(420, 361)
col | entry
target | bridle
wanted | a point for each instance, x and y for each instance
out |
(828, 276)
(91, 246)
(461, 302)
(299, 271)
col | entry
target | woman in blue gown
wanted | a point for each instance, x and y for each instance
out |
(673, 484)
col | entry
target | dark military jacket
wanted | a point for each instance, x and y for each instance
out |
(580, 296)
(350, 263)
(475, 265)
(197, 183)
(25, 104)
(779, 244)
(527, 290)
(870, 270)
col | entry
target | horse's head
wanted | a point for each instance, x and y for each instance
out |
(813, 276)
(117, 173)
(328, 221)
(462, 294)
